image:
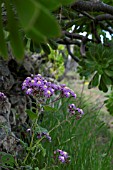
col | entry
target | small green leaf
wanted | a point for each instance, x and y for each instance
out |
(15, 36)
(25, 41)
(36, 168)
(7, 158)
(31, 114)
(37, 47)
(102, 85)
(42, 149)
(53, 44)
(32, 46)
(106, 79)
(40, 129)
(46, 48)
(28, 167)
(109, 73)
(48, 108)
(94, 81)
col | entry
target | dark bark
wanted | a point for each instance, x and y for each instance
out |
(91, 7)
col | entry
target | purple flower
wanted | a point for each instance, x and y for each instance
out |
(48, 84)
(63, 156)
(44, 134)
(67, 94)
(66, 91)
(73, 94)
(73, 109)
(48, 137)
(63, 85)
(55, 87)
(24, 86)
(2, 96)
(63, 153)
(29, 91)
(38, 85)
(80, 111)
(47, 93)
(44, 87)
(61, 159)
(28, 79)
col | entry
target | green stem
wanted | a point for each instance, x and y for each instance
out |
(50, 132)
(31, 143)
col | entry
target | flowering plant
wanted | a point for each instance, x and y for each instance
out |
(45, 94)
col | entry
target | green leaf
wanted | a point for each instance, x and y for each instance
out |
(37, 47)
(102, 85)
(48, 108)
(28, 13)
(35, 35)
(54, 4)
(42, 149)
(28, 167)
(47, 24)
(50, 4)
(28, 16)
(15, 37)
(106, 79)
(40, 129)
(7, 158)
(94, 81)
(31, 114)
(53, 44)
(3, 49)
(36, 20)
(46, 48)
(109, 73)
(31, 46)
(36, 168)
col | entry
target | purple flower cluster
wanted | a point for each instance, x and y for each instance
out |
(63, 156)
(73, 109)
(66, 91)
(44, 134)
(2, 96)
(38, 85)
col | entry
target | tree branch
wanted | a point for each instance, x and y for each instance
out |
(71, 54)
(104, 17)
(91, 6)
(68, 42)
(76, 36)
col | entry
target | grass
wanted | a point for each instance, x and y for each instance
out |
(87, 140)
